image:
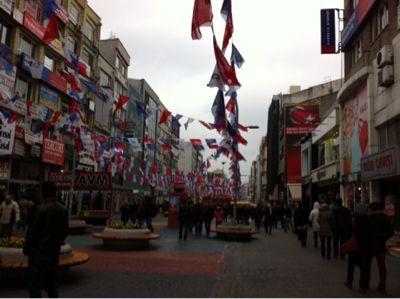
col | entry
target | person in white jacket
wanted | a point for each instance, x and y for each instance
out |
(314, 222)
(9, 213)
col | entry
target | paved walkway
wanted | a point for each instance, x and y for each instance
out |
(268, 266)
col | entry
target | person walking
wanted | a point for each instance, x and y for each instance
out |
(313, 218)
(208, 215)
(24, 207)
(125, 212)
(301, 223)
(43, 241)
(268, 221)
(340, 231)
(183, 217)
(326, 223)
(258, 215)
(361, 254)
(381, 231)
(219, 216)
(9, 214)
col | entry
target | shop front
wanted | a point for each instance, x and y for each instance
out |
(325, 183)
(382, 169)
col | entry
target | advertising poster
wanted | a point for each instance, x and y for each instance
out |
(49, 98)
(7, 134)
(53, 151)
(300, 120)
(355, 131)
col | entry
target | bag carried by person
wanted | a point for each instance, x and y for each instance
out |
(350, 246)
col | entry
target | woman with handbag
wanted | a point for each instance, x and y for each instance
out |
(358, 247)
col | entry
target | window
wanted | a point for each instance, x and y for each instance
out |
(354, 4)
(22, 88)
(70, 44)
(49, 63)
(4, 34)
(27, 46)
(74, 15)
(383, 18)
(356, 51)
(104, 79)
(117, 62)
(103, 112)
(88, 31)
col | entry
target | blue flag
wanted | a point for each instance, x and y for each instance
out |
(236, 57)
(141, 110)
(218, 110)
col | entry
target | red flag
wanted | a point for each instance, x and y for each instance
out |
(241, 140)
(226, 71)
(164, 117)
(148, 140)
(28, 107)
(70, 79)
(166, 147)
(243, 128)
(121, 102)
(207, 125)
(55, 117)
(51, 30)
(13, 118)
(202, 16)
(155, 168)
(230, 106)
(228, 32)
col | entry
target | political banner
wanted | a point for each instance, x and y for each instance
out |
(7, 134)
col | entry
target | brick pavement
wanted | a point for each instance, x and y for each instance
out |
(268, 266)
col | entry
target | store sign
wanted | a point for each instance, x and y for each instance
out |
(6, 5)
(39, 31)
(355, 20)
(19, 148)
(92, 181)
(4, 169)
(53, 151)
(382, 164)
(31, 65)
(49, 98)
(62, 180)
(7, 72)
(7, 134)
(328, 31)
(36, 151)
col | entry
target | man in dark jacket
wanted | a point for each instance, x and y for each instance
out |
(43, 241)
(184, 219)
(381, 231)
(340, 231)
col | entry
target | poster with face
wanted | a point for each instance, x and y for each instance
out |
(355, 131)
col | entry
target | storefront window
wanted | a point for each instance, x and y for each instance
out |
(19, 170)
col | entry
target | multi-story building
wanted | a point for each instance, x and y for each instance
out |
(370, 110)
(189, 159)
(300, 112)
(273, 149)
(263, 169)
(253, 179)
(114, 52)
(35, 79)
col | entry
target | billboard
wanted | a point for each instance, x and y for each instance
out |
(300, 120)
(328, 31)
(355, 131)
(53, 151)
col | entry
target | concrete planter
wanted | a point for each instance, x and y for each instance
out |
(9, 254)
(126, 233)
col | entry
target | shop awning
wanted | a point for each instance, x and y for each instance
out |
(294, 192)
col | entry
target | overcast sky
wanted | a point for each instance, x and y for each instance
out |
(279, 40)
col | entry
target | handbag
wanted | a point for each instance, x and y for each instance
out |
(350, 246)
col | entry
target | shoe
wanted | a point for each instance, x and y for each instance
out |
(348, 285)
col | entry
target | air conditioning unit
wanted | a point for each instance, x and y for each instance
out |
(385, 76)
(384, 56)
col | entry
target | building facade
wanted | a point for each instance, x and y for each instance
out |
(370, 109)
